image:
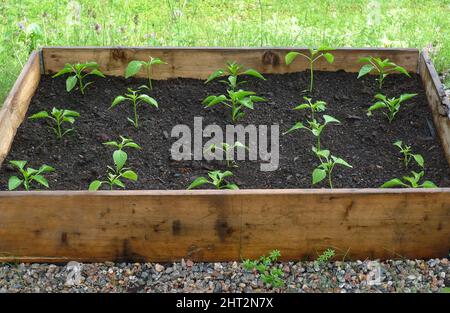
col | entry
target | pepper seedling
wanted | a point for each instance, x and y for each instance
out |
(125, 143)
(409, 182)
(314, 127)
(79, 71)
(316, 107)
(314, 55)
(57, 117)
(135, 67)
(29, 175)
(227, 149)
(233, 70)
(325, 169)
(217, 180)
(391, 104)
(135, 98)
(381, 67)
(117, 173)
(236, 100)
(406, 151)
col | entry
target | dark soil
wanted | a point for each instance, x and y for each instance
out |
(365, 142)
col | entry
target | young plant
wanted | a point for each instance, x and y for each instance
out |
(135, 98)
(117, 173)
(381, 67)
(267, 267)
(391, 104)
(227, 149)
(57, 117)
(135, 67)
(236, 100)
(29, 175)
(314, 55)
(79, 71)
(406, 151)
(316, 107)
(217, 180)
(233, 70)
(409, 182)
(125, 143)
(326, 256)
(326, 167)
(314, 127)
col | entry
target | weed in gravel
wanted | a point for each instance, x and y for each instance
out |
(267, 268)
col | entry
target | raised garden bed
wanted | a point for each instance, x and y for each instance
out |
(161, 223)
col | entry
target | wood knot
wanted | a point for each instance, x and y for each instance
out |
(270, 58)
(118, 54)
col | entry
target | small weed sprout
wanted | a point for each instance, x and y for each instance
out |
(325, 169)
(236, 100)
(266, 267)
(117, 173)
(57, 117)
(227, 149)
(29, 175)
(325, 257)
(409, 182)
(217, 180)
(135, 98)
(125, 143)
(79, 71)
(135, 67)
(391, 104)
(314, 127)
(233, 70)
(406, 151)
(316, 107)
(382, 67)
(314, 55)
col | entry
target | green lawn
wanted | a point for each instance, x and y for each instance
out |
(357, 23)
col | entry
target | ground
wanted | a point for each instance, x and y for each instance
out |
(355, 23)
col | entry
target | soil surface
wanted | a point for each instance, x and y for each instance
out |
(364, 142)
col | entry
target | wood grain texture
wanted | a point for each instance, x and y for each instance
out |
(201, 62)
(16, 104)
(437, 101)
(218, 226)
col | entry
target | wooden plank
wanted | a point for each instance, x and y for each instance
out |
(16, 104)
(218, 226)
(201, 62)
(437, 100)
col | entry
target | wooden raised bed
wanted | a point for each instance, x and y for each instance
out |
(58, 226)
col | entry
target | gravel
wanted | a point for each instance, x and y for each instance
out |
(188, 276)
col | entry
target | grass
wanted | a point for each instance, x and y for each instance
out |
(357, 23)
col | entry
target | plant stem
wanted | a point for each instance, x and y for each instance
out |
(135, 114)
(312, 75)
(58, 130)
(149, 70)
(80, 80)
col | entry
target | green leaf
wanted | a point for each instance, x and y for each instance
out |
(230, 186)
(302, 106)
(120, 158)
(254, 73)
(376, 106)
(247, 103)
(365, 69)
(198, 182)
(322, 153)
(341, 161)
(407, 96)
(41, 180)
(393, 183)
(95, 185)
(132, 145)
(130, 175)
(257, 99)
(133, 68)
(419, 159)
(118, 100)
(398, 144)
(149, 100)
(329, 57)
(428, 184)
(156, 61)
(318, 175)
(213, 100)
(42, 114)
(97, 73)
(401, 70)
(18, 164)
(330, 119)
(14, 182)
(45, 169)
(71, 113)
(290, 57)
(65, 70)
(119, 183)
(365, 60)
(214, 75)
(70, 83)
(297, 125)
(70, 120)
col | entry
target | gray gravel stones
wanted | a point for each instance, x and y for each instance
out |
(187, 276)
